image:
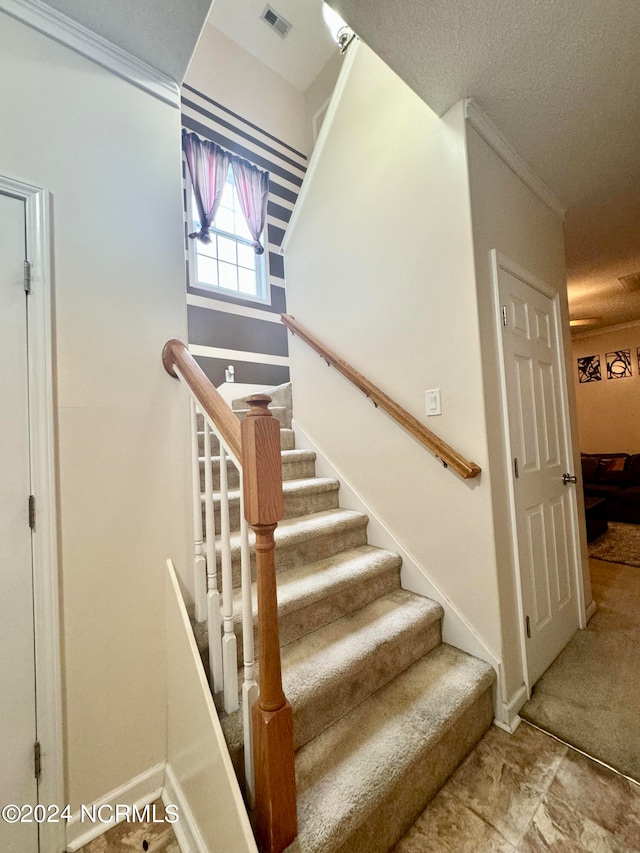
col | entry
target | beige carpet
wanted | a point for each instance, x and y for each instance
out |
(590, 696)
(620, 544)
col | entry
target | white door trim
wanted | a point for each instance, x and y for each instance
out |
(498, 262)
(45, 538)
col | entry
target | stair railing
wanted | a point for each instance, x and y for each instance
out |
(253, 447)
(449, 457)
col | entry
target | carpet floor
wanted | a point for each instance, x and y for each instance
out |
(620, 544)
(590, 695)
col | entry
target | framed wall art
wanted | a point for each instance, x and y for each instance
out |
(589, 368)
(618, 364)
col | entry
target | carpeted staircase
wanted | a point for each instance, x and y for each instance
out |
(383, 710)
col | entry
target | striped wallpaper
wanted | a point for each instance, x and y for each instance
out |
(226, 330)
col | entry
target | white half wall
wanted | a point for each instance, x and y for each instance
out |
(109, 154)
(380, 267)
(200, 776)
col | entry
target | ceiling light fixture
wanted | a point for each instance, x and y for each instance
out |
(584, 321)
(631, 283)
(342, 34)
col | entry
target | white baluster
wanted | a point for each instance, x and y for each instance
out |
(214, 621)
(229, 645)
(249, 686)
(199, 562)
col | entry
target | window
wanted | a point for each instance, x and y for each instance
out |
(229, 262)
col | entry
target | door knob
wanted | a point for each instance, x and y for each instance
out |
(569, 478)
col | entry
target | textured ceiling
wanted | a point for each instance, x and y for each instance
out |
(561, 79)
(162, 33)
(300, 56)
(602, 243)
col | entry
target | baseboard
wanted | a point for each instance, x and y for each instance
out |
(509, 719)
(139, 791)
(186, 829)
(591, 610)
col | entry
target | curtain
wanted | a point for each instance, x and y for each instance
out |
(208, 166)
(252, 186)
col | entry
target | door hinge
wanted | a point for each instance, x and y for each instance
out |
(32, 511)
(504, 315)
(27, 277)
(516, 471)
(528, 627)
(37, 759)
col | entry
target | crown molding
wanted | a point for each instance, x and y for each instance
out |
(39, 16)
(478, 119)
(603, 330)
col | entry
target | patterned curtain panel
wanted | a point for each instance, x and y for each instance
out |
(208, 166)
(252, 186)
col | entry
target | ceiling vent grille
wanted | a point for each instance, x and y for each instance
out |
(631, 283)
(276, 21)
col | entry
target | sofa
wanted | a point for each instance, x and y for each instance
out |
(615, 477)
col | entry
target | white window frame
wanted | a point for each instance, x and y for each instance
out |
(262, 262)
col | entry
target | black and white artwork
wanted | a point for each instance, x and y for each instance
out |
(618, 364)
(589, 368)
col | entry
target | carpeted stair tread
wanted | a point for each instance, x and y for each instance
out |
(362, 782)
(296, 465)
(318, 593)
(300, 497)
(287, 441)
(349, 579)
(281, 395)
(281, 413)
(305, 539)
(329, 672)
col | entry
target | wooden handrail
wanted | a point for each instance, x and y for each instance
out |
(176, 355)
(449, 457)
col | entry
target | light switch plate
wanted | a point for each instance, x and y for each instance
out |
(434, 405)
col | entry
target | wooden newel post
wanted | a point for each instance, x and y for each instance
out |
(275, 785)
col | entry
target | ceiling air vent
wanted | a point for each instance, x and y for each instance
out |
(631, 282)
(276, 21)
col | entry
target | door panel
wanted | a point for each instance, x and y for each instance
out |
(540, 444)
(17, 668)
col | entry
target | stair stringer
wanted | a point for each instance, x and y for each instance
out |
(456, 631)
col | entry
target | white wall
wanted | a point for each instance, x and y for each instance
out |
(317, 95)
(609, 410)
(110, 156)
(380, 267)
(224, 71)
(507, 216)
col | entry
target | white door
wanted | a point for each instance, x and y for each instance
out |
(540, 454)
(18, 784)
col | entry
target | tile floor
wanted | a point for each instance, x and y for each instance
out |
(524, 792)
(139, 837)
(527, 792)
